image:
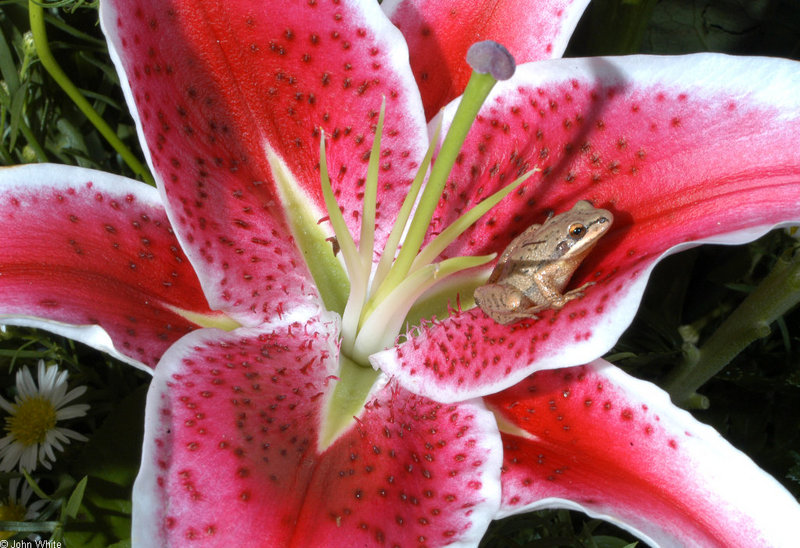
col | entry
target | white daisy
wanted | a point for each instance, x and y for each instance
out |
(15, 506)
(31, 428)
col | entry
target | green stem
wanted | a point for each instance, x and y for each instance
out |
(460, 225)
(390, 248)
(37, 149)
(475, 94)
(15, 111)
(51, 66)
(24, 353)
(776, 294)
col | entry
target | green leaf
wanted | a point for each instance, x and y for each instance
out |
(110, 461)
(75, 499)
(113, 452)
(35, 486)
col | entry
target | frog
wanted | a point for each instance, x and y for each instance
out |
(536, 267)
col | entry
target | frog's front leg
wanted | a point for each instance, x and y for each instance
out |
(547, 290)
(503, 303)
(574, 293)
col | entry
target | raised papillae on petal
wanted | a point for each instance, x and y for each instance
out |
(595, 439)
(83, 248)
(680, 150)
(412, 471)
(231, 99)
(440, 33)
(232, 451)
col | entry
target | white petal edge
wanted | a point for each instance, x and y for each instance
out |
(604, 334)
(91, 335)
(490, 487)
(768, 81)
(54, 176)
(147, 504)
(388, 34)
(726, 471)
(703, 73)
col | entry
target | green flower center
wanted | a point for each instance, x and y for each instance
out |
(34, 418)
(379, 301)
(376, 303)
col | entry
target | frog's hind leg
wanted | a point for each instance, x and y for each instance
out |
(504, 304)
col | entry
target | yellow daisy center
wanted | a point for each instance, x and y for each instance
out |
(34, 418)
(11, 512)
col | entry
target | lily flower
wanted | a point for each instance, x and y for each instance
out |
(301, 396)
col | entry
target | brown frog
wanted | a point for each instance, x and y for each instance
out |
(536, 266)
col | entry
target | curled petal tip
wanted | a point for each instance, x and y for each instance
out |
(489, 57)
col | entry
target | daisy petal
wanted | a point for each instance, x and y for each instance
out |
(33, 432)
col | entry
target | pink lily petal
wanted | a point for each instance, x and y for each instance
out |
(440, 33)
(682, 150)
(83, 249)
(219, 87)
(593, 438)
(231, 452)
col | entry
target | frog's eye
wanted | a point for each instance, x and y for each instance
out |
(577, 230)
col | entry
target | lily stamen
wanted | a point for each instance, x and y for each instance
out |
(376, 308)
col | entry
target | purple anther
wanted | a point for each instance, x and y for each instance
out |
(489, 57)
